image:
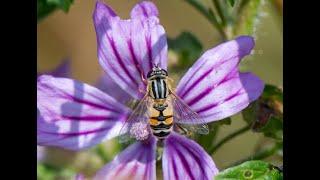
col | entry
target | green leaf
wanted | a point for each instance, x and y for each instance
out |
(273, 128)
(187, 47)
(250, 114)
(248, 17)
(231, 2)
(272, 92)
(251, 170)
(61, 4)
(46, 7)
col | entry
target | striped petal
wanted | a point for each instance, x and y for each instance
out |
(127, 49)
(184, 159)
(214, 88)
(137, 162)
(107, 85)
(144, 10)
(75, 115)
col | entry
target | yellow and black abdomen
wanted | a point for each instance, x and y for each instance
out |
(161, 121)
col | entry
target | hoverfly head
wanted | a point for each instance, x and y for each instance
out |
(157, 72)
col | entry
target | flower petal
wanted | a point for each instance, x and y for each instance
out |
(213, 86)
(75, 115)
(137, 162)
(185, 159)
(144, 9)
(63, 70)
(107, 85)
(128, 49)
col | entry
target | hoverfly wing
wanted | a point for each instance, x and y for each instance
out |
(140, 114)
(185, 118)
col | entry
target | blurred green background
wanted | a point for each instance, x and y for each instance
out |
(71, 35)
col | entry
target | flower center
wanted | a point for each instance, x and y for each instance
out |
(139, 130)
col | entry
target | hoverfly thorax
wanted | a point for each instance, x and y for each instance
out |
(158, 83)
(160, 112)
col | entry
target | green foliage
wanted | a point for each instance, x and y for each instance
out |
(265, 115)
(248, 15)
(251, 170)
(273, 128)
(231, 2)
(187, 47)
(272, 92)
(45, 7)
(48, 172)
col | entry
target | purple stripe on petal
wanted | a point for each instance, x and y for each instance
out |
(75, 115)
(185, 159)
(144, 9)
(119, 59)
(229, 98)
(213, 88)
(127, 49)
(136, 162)
(214, 65)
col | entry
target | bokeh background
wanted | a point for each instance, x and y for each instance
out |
(71, 36)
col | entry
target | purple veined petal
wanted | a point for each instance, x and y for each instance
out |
(230, 97)
(143, 10)
(63, 70)
(107, 85)
(127, 49)
(184, 159)
(137, 162)
(213, 86)
(75, 115)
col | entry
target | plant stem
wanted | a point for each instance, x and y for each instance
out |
(214, 148)
(208, 13)
(260, 154)
(219, 10)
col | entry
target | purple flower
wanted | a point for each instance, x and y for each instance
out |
(78, 116)
(63, 70)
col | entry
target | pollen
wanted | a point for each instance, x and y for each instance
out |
(139, 131)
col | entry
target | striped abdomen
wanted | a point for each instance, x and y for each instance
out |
(158, 88)
(161, 122)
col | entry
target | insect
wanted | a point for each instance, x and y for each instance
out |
(161, 111)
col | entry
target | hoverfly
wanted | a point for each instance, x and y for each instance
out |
(161, 111)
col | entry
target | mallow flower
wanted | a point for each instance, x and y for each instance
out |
(77, 116)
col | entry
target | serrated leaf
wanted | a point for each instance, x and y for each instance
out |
(248, 17)
(187, 47)
(251, 170)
